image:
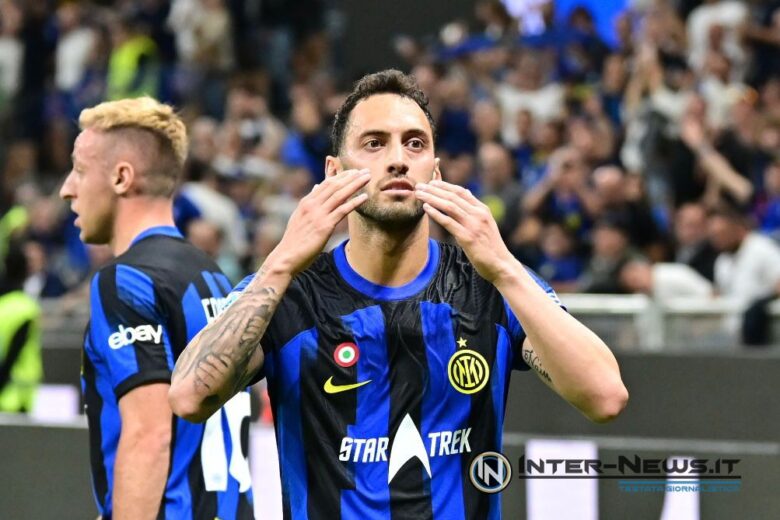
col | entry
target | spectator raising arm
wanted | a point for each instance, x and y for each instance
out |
(714, 164)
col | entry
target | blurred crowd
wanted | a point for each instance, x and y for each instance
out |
(646, 160)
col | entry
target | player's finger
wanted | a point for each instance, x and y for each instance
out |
(454, 197)
(445, 205)
(457, 190)
(445, 221)
(334, 182)
(346, 191)
(347, 207)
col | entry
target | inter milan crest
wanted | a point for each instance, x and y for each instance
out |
(467, 369)
(346, 354)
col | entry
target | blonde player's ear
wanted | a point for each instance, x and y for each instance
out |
(122, 178)
(332, 166)
(436, 176)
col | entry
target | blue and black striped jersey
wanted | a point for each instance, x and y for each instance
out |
(146, 305)
(382, 396)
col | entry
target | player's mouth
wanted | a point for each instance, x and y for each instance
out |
(398, 187)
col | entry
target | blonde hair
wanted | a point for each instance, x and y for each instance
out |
(140, 119)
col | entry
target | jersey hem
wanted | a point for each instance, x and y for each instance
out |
(146, 378)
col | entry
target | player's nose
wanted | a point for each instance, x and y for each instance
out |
(397, 164)
(67, 190)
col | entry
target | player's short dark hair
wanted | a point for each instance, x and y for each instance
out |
(390, 81)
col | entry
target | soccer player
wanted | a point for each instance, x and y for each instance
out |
(388, 359)
(146, 305)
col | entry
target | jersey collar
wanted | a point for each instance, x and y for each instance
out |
(382, 292)
(169, 231)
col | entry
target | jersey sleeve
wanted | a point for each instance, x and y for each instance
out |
(128, 330)
(516, 331)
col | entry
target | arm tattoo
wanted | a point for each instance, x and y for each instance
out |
(219, 358)
(532, 360)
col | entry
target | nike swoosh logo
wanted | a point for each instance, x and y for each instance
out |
(330, 388)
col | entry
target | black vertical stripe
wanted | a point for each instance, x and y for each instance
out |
(325, 418)
(94, 408)
(410, 494)
(245, 509)
(480, 332)
(204, 503)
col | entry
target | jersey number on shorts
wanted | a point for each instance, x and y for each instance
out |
(213, 454)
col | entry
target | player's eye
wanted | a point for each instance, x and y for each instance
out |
(416, 144)
(373, 143)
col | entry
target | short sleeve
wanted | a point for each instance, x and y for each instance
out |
(127, 329)
(238, 290)
(516, 332)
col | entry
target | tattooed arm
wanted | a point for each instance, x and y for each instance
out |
(222, 359)
(531, 359)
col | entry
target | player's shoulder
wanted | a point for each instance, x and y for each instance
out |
(163, 252)
(456, 270)
(157, 264)
(455, 266)
(320, 271)
(167, 260)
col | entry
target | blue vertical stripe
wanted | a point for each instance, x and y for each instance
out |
(136, 289)
(289, 438)
(443, 408)
(110, 422)
(224, 283)
(192, 309)
(214, 289)
(372, 417)
(178, 495)
(499, 378)
(168, 349)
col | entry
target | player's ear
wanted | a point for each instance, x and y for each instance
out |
(122, 178)
(332, 166)
(436, 171)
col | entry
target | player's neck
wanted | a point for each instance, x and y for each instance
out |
(137, 215)
(386, 258)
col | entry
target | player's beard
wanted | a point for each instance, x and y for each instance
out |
(391, 216)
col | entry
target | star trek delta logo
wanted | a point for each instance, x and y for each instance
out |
(407, 445)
